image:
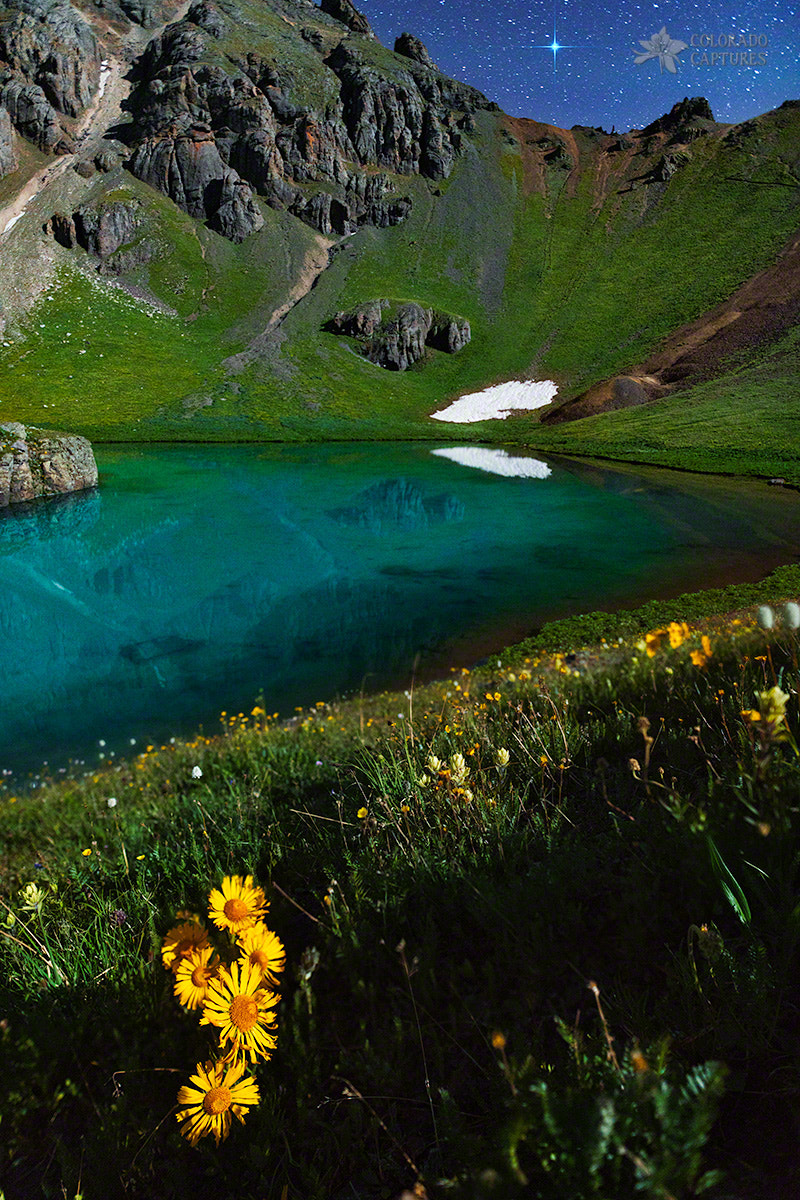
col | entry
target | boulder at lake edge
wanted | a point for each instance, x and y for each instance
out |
(40, 462)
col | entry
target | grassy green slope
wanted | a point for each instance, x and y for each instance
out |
(574, 284)
(746, 422)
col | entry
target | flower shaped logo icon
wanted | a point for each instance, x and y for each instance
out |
(662, 47)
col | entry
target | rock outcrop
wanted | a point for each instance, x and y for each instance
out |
(399, 342)
(688, 118)
(411, 47)
(33, 115)
(98, 228)
(188, 167)
(47, 42)
(38, 462)
(110, 230)
(348, 14)
(198, 114)
(8, 150)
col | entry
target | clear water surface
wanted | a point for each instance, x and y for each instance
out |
(197, 577)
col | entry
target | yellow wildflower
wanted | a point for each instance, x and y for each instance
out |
(653, 640)
(678, 633)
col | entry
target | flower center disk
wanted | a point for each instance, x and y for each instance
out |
(217, 1100)
(244, 1013)
(199, 978)
(235, 909)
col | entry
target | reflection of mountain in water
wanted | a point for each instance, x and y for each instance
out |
(400, 503)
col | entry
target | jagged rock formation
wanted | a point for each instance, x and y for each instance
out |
(47, 42)
(32, 115)
(208, 134)
(689, 114)
(49, 67)
(109, 230)
(189, 168)
(348, 14)
(411, 47)
(401, 341)
(99, 228)
(37, 462)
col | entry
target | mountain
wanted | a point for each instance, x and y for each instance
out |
(244, 219)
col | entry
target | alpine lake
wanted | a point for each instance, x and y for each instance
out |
(198, 578)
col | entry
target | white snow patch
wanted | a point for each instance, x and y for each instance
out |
(105, 71)
(497, 462)
(495, 403)
(14, 220)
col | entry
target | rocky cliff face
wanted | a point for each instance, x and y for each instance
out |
(214, 127)
(49, 68)
(8, 150)
(208, 133)
(37, 462)
(47, 42)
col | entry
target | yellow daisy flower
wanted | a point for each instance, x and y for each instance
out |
(242, 1011)
(236, 904)
(264, 950)
(193, 975)
(220, 1091)
(181, 940)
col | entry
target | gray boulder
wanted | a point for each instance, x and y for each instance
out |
(37, 462)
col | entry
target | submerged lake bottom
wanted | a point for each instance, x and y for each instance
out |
(195, 579)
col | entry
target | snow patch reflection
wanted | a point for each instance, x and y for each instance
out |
(496, 462)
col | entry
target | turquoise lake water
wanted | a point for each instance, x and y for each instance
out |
(197, 577)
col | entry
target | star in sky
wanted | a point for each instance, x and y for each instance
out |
(555, 45)
(593, 79)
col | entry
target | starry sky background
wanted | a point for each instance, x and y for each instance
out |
(501, 47)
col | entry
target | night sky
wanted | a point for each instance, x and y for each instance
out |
(503, 48)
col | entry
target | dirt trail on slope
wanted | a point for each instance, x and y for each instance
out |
(103, 112)
(315, 261)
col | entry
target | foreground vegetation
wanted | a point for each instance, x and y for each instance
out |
(541, 928)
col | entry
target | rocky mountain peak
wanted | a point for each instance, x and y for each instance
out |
(691, 111)
(348, 14)
(411, 47)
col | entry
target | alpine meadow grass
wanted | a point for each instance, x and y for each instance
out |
(535, 926)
